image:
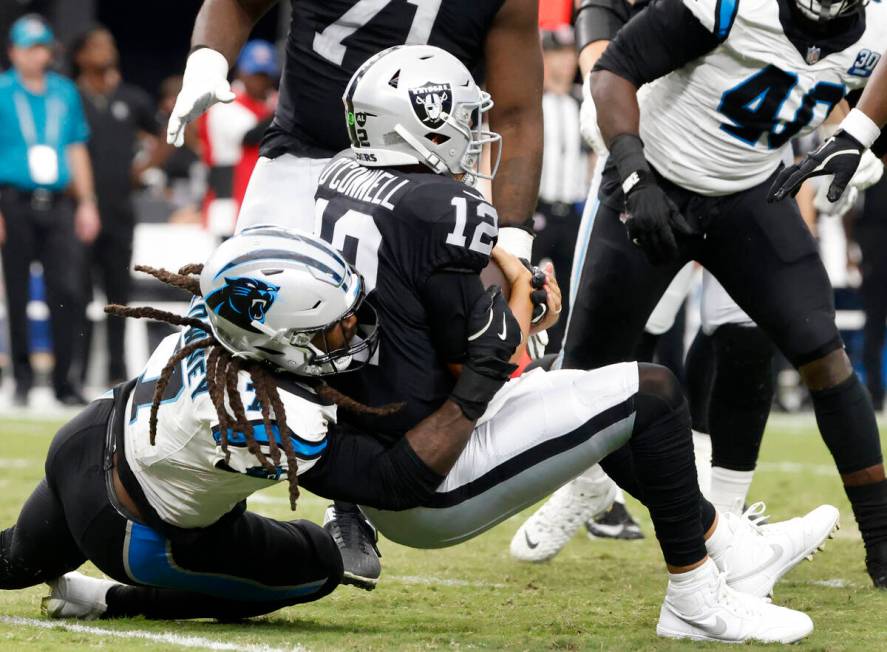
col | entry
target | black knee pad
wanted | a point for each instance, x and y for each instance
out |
(659, 394)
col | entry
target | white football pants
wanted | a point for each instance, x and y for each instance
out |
(540, 431)
(281, 191)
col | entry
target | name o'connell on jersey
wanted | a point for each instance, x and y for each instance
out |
(718, 123)
(399, 227)
(372, 185)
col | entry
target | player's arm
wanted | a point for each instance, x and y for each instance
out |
(597, 22)
(663, 38)
(220, 30)
(845, 154)
(873, 103)
(514, 79)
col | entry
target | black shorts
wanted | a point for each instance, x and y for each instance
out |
(763, 254)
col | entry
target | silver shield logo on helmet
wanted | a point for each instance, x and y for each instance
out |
(432, 103)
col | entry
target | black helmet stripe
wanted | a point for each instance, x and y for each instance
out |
(336, 275)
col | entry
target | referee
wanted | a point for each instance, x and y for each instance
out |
(42, 154)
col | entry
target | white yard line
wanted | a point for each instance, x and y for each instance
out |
(167, 638)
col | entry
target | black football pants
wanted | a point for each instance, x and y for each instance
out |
(243, 565)
(763, 255)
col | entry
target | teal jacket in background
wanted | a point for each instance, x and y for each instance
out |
(72, 128)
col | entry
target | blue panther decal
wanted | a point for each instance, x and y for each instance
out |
(243, 300)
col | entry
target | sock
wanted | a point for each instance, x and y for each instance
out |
(693, 577)
(869, 503)
(720, 539)
(847, 423)
(729, 488)
(702, 455)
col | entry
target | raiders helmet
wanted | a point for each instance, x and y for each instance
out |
(823, 10)
(418, 104)
(270, 290)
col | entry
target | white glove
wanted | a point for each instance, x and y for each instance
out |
(867, 174)
(205, 82)
(588, 126)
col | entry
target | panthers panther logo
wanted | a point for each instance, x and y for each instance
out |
(243, 300)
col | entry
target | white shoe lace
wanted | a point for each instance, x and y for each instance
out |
(756, 516)
(738, 603)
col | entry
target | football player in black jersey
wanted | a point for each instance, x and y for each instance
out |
(400, 205)
(497, 40)
(327, 41)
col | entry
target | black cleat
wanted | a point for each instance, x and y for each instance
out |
(356, 539)
(876, 564)
(615, 523)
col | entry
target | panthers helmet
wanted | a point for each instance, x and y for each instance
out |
(824, 10)
(270, 290)
(414, 104)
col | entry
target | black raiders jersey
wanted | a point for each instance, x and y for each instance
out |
(398, 229)
(330, 39)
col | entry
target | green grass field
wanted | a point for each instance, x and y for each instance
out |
(595, 595)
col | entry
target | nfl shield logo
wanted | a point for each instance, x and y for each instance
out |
(813, 53)
(432, 103)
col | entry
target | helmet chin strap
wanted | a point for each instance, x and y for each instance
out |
(434, 161)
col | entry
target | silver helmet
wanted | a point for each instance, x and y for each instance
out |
(414, 104)
(269, 291)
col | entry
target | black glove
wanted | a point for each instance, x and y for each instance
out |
(651, 220)
(493, 337)
(651, 217)
(839, 155)
(539, 295)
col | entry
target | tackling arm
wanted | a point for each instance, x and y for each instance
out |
(874, 98)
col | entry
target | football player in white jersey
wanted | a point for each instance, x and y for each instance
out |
(150, 481)
(726, 85)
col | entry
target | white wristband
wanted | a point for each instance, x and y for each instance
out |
(516, 241)
(861, 127)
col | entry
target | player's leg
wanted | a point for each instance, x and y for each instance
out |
(616, 522)
(63, 258)
(281, 191)
(18, 251)
(872, 240)
(552, 426)
(741, 395)
(243, 565)
(787, 292)
(699, 366)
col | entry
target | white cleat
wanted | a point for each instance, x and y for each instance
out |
(546, 532)
(707, 609)
(757, 555)
(74, 595)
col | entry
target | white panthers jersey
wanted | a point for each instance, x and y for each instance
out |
(718, 124)
(184, 475)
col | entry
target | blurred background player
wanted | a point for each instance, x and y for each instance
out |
(230, 134)
(119, 116)
(47, 202)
